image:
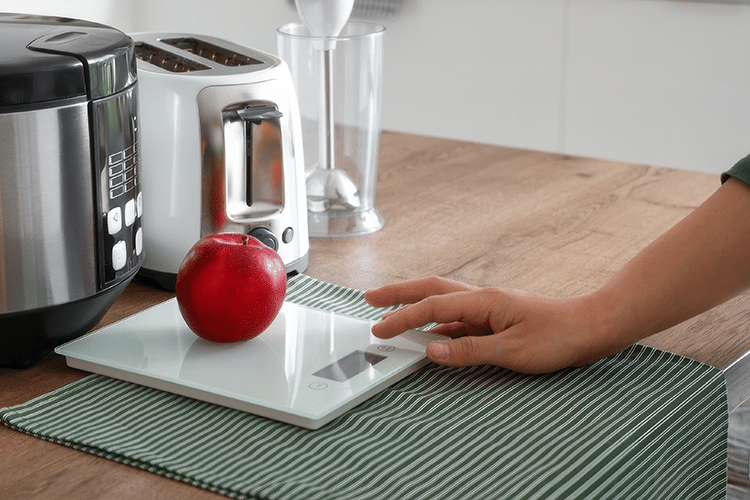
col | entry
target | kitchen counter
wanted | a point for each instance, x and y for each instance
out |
(487, 215)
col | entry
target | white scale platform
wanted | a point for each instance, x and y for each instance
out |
(306, 369)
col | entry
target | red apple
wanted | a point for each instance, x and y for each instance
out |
(230, 287)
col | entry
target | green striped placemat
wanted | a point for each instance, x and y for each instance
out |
(641, 424)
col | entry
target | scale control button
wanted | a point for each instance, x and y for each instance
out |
(114, 220)
(119, 255)
(139, 204)
(130, 212)
(386, 348)
(139, 241)
(318, 386)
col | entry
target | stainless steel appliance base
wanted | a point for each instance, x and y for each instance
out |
(28, 336)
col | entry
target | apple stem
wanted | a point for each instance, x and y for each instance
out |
(245, 239)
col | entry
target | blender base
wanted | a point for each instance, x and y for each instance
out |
(332, 225)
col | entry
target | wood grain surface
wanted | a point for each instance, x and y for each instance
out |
(487, 215)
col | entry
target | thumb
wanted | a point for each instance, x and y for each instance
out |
(462, 351)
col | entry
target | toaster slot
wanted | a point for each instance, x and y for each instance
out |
(166, 60)
(253, 163)
(211, 52)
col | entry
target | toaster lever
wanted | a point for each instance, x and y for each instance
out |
(253, 163)
(256, 114)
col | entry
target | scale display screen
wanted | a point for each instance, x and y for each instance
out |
(349, 366)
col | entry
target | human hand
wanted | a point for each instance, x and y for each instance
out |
(510, 328)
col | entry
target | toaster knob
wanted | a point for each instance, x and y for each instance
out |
(265, 236)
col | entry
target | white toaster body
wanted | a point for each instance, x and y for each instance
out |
(221, 150)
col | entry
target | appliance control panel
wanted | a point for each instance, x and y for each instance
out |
(120, 197)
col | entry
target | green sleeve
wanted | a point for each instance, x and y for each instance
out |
(740, 170)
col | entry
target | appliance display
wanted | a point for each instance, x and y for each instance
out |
(222, 150)
(70, 198)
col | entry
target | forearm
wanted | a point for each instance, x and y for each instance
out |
(701, 262)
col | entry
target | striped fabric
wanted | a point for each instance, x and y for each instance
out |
(641, 424)
(311, 292)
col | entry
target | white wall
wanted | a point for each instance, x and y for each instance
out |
(482, 70)
(103, 11)
(661, 82)
(651, 81)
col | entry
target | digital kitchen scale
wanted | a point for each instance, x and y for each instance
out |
(308, 367)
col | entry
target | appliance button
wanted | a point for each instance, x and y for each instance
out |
(119, 255)
(139, 204)
(118, 191)
(116, 180)
(114, 220)
(265, 236)
(115, 169)
(139, 241)
(287, 235)
(117, 157)
(130, 165)
(130, 212)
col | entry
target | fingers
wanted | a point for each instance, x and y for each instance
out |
(408, 292)
(494, 350)
(457, 352)
(458, 329)
(524, 332)
(471, 308)
(466, 351)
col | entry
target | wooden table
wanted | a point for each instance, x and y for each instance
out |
(487, 215)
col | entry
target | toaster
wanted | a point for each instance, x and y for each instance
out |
(221, 145)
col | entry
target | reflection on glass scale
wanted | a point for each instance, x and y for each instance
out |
(306, 369)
